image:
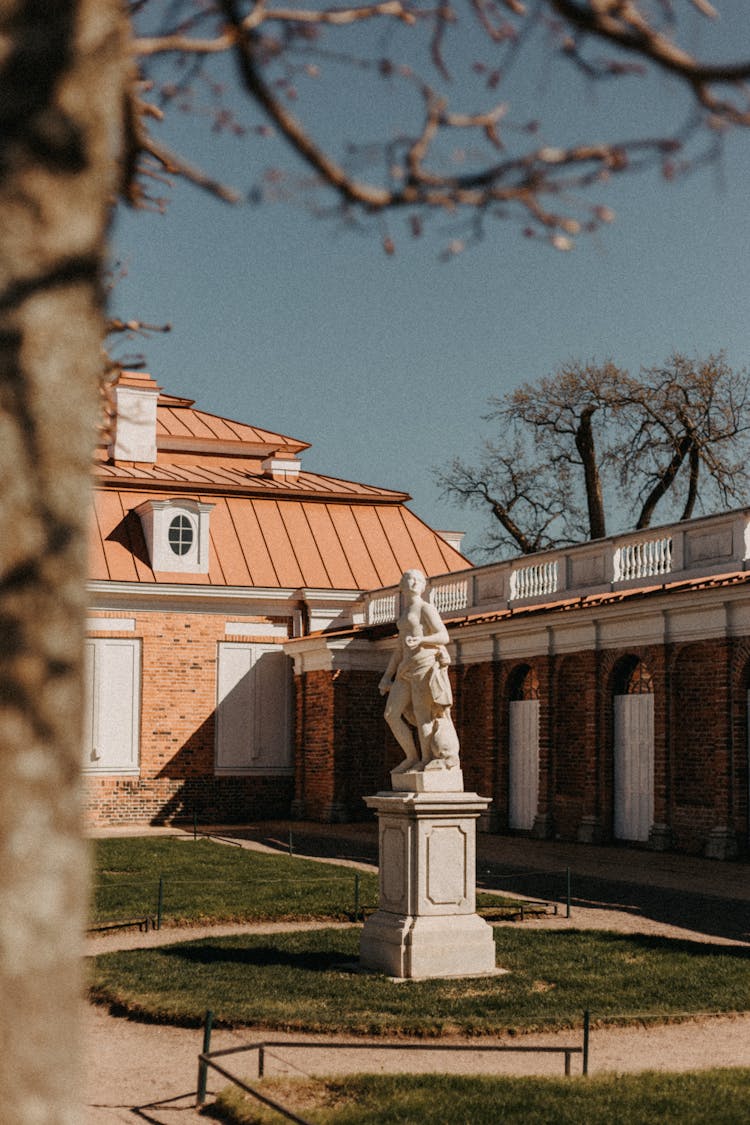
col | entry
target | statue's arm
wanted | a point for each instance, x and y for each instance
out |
(387, 678)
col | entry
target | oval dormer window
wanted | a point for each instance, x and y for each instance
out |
(181, 535)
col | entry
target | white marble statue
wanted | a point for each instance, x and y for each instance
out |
(417, 685)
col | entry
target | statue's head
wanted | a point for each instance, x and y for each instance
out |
(413, 580)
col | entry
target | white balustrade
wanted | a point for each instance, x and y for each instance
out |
(645, 558)
(382, 609)
(533, 581)
(447, 597)
(709, 544)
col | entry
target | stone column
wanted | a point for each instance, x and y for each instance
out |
(426, 924)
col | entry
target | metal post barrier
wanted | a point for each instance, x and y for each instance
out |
(261, 1061)
(195, 823)
(567, 880)
(356, 897)
(202, 1065)
(160, 902)
(586, 1030)
(291, 849)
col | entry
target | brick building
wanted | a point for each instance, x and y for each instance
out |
(601, 693)
(211, 546)
(242, 613)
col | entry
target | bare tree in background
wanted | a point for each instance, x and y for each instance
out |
(80, 106)
(593, 441)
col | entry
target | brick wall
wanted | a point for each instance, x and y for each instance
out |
(177, 732)
(700, 740)
(343, 750)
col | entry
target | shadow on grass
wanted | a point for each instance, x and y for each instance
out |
(714, 915)
(262, 956)
(656, 943)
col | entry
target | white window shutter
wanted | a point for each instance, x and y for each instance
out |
(634, 766)
(253, 713)
(113, 705)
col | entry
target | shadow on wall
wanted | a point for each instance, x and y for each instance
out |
(226, 800)
(187, 788)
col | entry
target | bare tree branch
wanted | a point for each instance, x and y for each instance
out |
(528, 179)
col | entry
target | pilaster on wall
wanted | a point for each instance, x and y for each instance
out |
(340, 732)
(740, 735)
(475, 719)
(700, 730)
(314, 745)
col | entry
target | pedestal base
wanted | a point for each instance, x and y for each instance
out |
(428, 781)
(414, 947)
(426, 924)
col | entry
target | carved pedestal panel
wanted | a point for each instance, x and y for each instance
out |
(426, 924)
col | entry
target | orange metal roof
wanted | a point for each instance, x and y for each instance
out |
(176, 417)
(284, 542)
(181, 472)
(311, 530)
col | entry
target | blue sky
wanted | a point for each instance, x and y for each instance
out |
(385, 363)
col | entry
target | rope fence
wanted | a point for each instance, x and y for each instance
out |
(151, 909)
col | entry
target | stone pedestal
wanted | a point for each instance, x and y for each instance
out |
(426, 924)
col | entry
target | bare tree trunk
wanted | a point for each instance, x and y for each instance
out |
(587, 452)
(61, 92)
(665, 482)
(692, 496)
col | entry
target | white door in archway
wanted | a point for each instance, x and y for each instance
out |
(523, 781)
(634, 766)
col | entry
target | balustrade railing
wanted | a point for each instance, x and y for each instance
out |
(709, 545)
(534, 580)
(382, 608)
(644, 559)
(449, 596)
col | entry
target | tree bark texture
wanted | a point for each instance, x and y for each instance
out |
(62, 72)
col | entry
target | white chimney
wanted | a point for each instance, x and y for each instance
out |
(454, 539)
(135, 397)
(281, 468)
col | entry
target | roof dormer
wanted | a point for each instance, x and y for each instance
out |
(177, 534)
(133, 426)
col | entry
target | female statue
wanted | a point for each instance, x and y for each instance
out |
(417, 685)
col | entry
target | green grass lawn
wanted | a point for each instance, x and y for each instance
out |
(304, 981)
(205, 882)
(715, 1097)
